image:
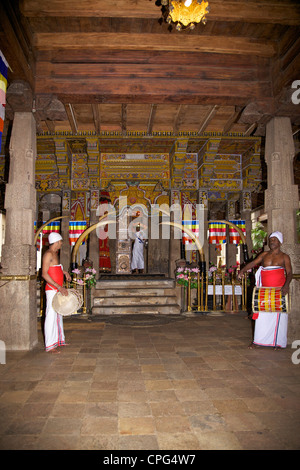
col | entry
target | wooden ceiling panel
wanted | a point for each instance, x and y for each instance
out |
(114, 67)
(110, 117)
(284, 12)
(138, 117)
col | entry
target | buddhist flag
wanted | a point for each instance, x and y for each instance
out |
(193, 226)
(234, 236)
(76, 228)
(51, 227)
(216, 233)
(3, 86)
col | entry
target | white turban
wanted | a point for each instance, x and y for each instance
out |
(277, 235)
(54, 237)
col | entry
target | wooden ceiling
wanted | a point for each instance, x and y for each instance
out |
(99, 65)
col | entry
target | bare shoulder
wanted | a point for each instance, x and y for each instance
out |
(262, 256)
(47, 257)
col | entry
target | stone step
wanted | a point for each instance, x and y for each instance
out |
(135, 284)
(173, 309)
(146, 300)
(135, 295)
(130, 292)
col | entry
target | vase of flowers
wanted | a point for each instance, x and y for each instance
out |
(87, 281)
(182, 276)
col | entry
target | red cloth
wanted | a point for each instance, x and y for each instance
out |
(271, 278)
(57, 275)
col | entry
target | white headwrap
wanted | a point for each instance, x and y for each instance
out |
(54, 237)
(277, 235)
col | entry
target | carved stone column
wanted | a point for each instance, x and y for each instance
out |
(18, 304)
(282, 201)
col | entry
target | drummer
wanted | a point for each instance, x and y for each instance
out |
(275, 271)
(53, 274)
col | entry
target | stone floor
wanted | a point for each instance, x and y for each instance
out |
(189, 384)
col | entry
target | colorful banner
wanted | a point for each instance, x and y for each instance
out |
(234, 236)
(217, 233)
(3, 86)
(193, 226)
(76, 228)
(51, 227)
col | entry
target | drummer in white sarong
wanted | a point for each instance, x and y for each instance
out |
(137, 261)
(53, 274)
(275, 271)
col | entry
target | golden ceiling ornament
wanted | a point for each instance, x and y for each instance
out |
(184, 13)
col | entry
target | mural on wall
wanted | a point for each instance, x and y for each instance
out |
(80, 206)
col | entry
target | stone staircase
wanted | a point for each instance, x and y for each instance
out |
(135, 295)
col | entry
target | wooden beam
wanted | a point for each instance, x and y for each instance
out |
(151, 118)
(17, 52)
(50, 125)
(176, 120)
(232, 120)
(154, 90)
(71, 117)
(250, 129)
(124, 117)
(254, 11)
(155, 42)
(188, 70)
(96, 117)
(209, 116)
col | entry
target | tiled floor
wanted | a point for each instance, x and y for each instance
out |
(186, 385)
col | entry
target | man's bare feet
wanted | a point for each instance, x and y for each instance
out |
(54, 351)
(252, 346)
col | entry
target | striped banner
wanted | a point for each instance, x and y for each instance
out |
(76, 228)
(3, 85)
(193, 226)
(234, 236)
(51, 227)
(216, 233)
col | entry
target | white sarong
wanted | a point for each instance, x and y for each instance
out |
(53, 328)
(270, 327)
(137, 261)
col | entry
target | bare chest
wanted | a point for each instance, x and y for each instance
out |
(272, 259)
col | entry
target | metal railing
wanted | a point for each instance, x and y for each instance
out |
(218, 289)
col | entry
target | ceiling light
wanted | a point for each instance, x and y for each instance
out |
(185, 14)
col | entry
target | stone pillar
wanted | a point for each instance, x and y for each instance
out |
(18, 304)
(282, 201)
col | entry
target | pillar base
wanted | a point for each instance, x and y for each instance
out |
(18, 315)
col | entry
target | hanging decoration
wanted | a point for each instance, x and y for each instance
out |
(234, 236)
(184, 14)
(3, 86)
(76, 228)
(217, 234)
